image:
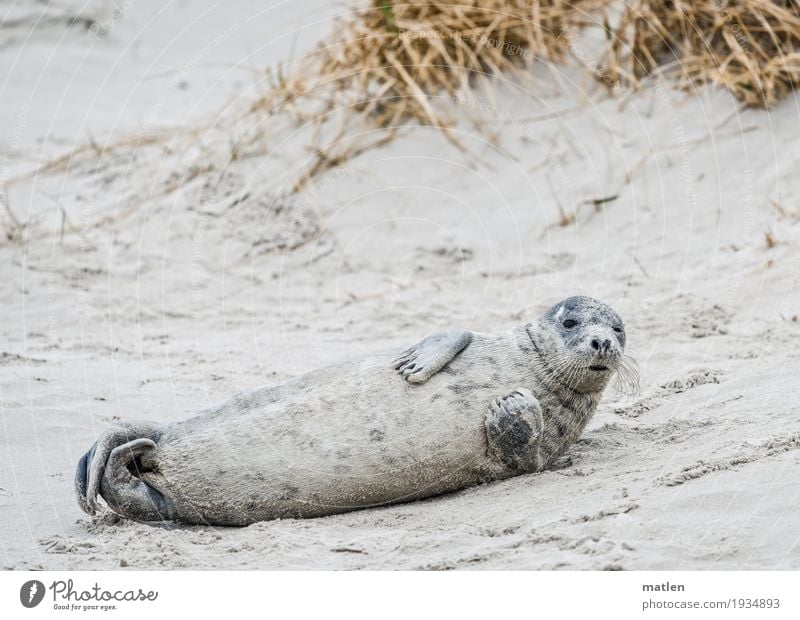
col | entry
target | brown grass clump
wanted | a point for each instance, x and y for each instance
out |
(392, 60)
(752, 47)
(388, 63)
(397, 55)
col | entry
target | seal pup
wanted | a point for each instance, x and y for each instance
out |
(458, 408)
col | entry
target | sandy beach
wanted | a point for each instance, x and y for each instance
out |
(165, 279)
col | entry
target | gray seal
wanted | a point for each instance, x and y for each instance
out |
(458, 408)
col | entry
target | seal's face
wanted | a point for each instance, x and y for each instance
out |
(587, 338)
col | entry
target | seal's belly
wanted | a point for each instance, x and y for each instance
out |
(343, 437)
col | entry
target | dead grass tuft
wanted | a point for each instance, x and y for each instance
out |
(395, 56)
(391, 61)
(751, 47)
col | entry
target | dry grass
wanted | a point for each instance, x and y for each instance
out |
(391, 62)
(395, 63)
(387, 65)
(395, 56)
(751, 47)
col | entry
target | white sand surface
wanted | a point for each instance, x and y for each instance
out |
(152, 304)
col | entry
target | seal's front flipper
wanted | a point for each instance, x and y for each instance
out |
(514, 429)
(429, 356)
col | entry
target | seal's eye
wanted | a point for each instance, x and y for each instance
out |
(569, 323)
(618, 330)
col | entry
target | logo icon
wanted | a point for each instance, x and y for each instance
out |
(31, 593)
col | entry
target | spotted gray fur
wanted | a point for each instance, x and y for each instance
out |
(459, 408)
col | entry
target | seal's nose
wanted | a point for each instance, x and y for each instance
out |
(601, 346)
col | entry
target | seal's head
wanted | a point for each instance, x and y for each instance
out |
(582, 342)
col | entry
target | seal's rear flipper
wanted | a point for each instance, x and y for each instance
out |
(420, 362)
(126, 493)
(82, 479)
(93, 465)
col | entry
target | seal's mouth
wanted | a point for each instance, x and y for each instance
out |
(598, 368)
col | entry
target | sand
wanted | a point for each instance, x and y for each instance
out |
(123, 299)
